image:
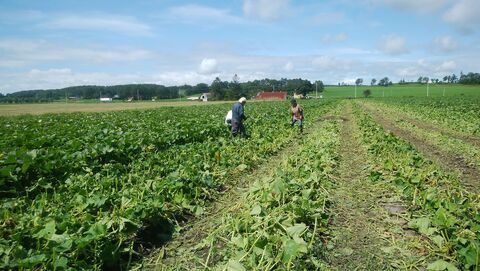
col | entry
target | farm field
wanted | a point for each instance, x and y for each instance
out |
(407, 90)
(62, 107)
(372, 184)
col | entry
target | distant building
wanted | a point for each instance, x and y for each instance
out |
(298, 96)
(205, 97)
(271, 96)
(105, 99)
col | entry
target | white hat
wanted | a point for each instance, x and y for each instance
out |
(242, 100)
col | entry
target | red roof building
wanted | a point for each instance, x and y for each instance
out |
(271, 96)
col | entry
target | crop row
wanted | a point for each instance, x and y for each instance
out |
(457, 113)
(442, 210)
(95, 203)
(278, 223)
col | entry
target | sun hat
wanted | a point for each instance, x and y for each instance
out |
(242, 100)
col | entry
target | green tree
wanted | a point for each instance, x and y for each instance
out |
(198, 89)
(217, 89)
(367, 93)
(235, 88)
(319, 86)
(453, 78)
(384, 82)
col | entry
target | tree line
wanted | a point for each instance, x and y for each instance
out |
(219, 89)
(465, 79)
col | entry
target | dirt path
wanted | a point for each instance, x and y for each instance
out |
(196, 230)
(470, 175)
(367, 228)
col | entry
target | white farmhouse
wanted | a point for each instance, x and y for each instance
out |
(205, 97)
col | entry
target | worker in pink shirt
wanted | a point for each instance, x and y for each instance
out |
(297, 114)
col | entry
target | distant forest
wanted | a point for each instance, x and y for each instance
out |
(219, 90)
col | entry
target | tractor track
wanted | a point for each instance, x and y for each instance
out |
(470, 175)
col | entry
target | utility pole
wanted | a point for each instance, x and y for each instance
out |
(427, 88)
(355, 90)
(138, 96)
(316, 89)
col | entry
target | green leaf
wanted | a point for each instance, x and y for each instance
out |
(346, 251)
(292, 248)
(61, 262)
(444, 218)
(33, 260)
(438, 240)
(97, 230)
(235, 266)
(47, 231)
(442, 265)
(242, 167)
(238, 241)
(257, 209)
(278, 186)
(198, 210)
(296, 230)
(423, 225)
(388, 250)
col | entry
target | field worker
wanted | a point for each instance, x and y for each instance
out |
(238, 116)
(228, 119)
(297, 114)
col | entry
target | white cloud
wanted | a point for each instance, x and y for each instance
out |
(19, 45)
(119, 24)
(329, 18)
(266, 9)
(208, 66)
(288, 66)
(194, 13)
(334, 38)
(64, 77)
(408, 72)
(420, 6)
(32, 51)
(422, 63)
(464, 14)
(425, 68)
(447, 66)
(394, 45)
(330, 63)
(445, 44)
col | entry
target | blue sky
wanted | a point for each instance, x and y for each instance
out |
(55, 44)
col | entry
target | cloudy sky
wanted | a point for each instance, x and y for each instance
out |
(54, 44)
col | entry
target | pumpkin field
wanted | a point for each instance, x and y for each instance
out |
(371, 184)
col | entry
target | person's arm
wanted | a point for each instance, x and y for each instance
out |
(241, 113)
